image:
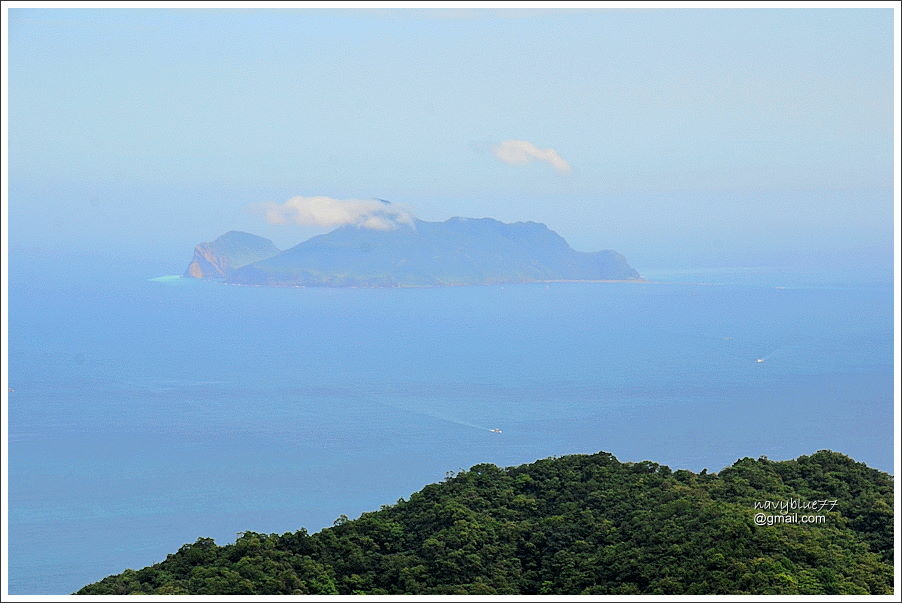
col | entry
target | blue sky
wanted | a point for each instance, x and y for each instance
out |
(694, 137)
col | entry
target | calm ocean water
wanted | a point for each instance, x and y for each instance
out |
(146, 414)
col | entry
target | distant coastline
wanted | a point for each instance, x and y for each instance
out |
(458, 251)
(634, 281)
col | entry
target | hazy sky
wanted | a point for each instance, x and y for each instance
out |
(678, 137)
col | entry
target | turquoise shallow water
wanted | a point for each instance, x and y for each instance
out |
(148, 413)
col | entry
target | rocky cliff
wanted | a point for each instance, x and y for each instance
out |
(231, 251)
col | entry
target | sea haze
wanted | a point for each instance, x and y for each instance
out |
(149, 412)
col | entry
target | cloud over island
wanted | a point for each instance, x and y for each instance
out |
(374, 214)
(523, 151)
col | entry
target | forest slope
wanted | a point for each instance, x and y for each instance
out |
(570, 525)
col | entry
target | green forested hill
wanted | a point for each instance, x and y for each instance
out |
(577, 524)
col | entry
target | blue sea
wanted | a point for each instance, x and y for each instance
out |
(148, 412)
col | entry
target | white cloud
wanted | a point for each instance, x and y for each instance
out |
(329, 212)
(522, 151)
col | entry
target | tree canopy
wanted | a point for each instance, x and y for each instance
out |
(580, 524)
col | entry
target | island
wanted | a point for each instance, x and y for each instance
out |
(458, 251)
(577, 524)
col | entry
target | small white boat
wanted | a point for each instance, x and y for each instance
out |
(496, 430)
(759, 360)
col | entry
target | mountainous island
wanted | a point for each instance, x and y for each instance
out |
(580, 524)
(458, 251)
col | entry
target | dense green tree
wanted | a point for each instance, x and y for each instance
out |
(581, 524)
